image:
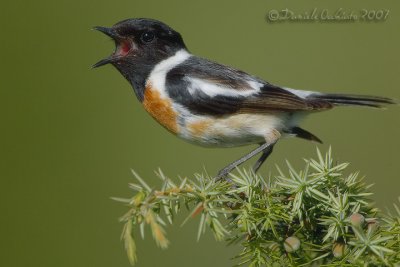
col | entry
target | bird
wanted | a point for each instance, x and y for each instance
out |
(211, 104)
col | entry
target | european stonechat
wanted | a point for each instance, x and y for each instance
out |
(208, 103)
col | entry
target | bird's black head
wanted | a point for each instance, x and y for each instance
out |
(139, 45)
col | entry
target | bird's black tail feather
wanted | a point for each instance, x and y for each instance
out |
(354, 100)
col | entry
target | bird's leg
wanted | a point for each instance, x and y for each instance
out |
(225, 171)
(263, 157)
(271, 139)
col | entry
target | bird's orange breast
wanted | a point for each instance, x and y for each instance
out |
(160, 108)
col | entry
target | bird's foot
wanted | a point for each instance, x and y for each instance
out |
(223, 174)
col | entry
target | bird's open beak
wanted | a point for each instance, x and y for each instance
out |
(111, 33)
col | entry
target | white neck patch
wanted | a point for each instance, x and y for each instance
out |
(158, 74)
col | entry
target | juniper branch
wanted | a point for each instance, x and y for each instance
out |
(317, 216)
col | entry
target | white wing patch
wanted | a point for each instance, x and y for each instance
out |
(212, 89)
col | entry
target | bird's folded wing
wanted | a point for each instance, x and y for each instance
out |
(208, 88)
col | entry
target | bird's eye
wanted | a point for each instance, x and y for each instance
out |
(147, 37)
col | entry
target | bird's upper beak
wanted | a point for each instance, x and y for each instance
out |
(111, 33)
(107, 31)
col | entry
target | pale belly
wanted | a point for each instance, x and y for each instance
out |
(226, 131)
(232, 130)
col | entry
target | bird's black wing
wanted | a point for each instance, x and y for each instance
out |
(208, 88)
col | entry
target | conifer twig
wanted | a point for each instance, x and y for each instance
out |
(318, 216)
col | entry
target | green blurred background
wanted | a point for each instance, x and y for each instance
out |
(69, 134)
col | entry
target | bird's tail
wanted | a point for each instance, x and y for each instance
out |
(354, 100)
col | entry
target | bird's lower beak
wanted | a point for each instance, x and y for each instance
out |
(111, 33)
(103, 62)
